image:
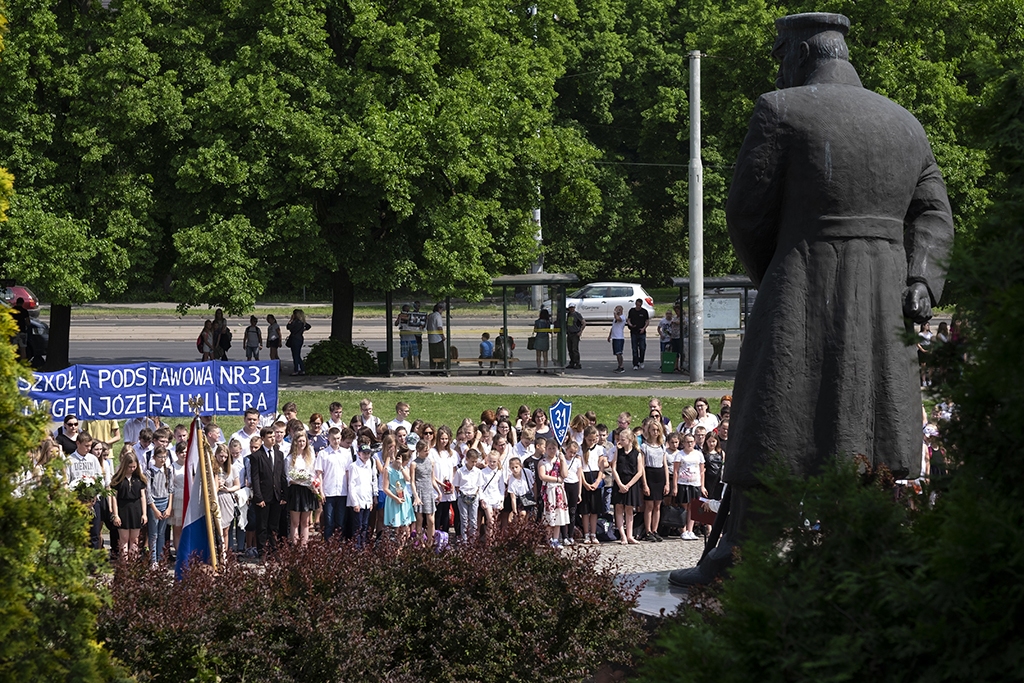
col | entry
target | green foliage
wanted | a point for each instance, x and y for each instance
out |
(509, 610)
(334, 357)
(6, 190)
(626, 90)
(48, 604)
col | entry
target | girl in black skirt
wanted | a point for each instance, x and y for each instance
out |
(655, 475)
(302, 499)
(128, 504)
(628, 475)
(594, 463)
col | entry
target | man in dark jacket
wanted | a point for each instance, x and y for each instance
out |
(269, 490)
(839, 214)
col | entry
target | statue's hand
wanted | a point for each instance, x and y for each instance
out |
(917, 303)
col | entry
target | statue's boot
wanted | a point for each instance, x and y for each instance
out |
(711, 566)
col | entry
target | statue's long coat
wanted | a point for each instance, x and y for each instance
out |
(836, 206)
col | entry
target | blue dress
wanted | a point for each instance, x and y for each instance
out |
(398, 514)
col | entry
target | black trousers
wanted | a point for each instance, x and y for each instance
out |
(573, 343)
(269, 524)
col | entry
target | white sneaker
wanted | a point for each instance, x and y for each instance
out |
(636, 367)
(689, 536)
(641, 366)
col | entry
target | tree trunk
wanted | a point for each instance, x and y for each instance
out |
(60, 338)
(344, 304)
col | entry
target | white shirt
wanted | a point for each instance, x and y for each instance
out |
(244, 438)
(572, 469)
(445, 463)
(492, 489)
(593, 459)
(362, 483)
(520, 486)
(144, 455)
(709, 422)
(467, 481)
(396, 423)
(435, 328)
(618, 330)
(522, 452)
(371, 422)
(689, 467)
(135, 425)
(299, 465)
(332, 465)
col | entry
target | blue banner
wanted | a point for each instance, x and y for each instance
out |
(95, 392)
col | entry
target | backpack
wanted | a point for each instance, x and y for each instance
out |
(199, 343)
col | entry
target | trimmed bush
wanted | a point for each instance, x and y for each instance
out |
(333, 357)
(511, 610)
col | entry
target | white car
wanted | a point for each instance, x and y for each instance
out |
(596, 302)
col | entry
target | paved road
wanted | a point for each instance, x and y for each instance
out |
(97, 341)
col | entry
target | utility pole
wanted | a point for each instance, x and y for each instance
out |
(537, 293)
(696, 227)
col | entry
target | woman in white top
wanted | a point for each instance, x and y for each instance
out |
(573, 487)
(688, 480)
(617, 337)
(593, 463)
(656, 485)
(705, 419)
(300, 471)
(577, 426)
(689, 420)
(446, 461)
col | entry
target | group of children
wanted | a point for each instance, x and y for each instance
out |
(278, 477)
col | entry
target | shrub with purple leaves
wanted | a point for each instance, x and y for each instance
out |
(509, 610)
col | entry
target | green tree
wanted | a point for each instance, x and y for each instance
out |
(48, 603)
(384, 146)
(85, 110)
(626, 90)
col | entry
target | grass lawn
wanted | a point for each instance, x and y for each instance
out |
(450, 409)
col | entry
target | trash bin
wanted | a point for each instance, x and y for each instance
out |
(668, 361)
(384, 362)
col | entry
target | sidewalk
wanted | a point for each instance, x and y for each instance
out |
(588, 382)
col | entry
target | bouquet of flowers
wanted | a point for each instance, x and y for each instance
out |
(301, 477)
(318, 489)
(89, 487)
(446, 486)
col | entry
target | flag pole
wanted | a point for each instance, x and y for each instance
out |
(204, 473)
(213, 506)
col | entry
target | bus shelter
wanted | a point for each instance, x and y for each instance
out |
(461, 347)
(727, 305)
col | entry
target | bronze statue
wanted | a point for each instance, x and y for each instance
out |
(839, 214)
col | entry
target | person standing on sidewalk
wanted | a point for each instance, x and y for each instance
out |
(435, 338)
(574, 330)
(617, 337)
(637, 321)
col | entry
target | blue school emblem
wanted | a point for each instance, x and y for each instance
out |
(560, 414)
